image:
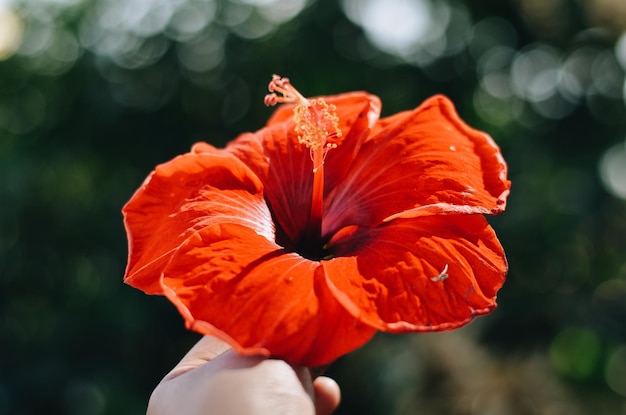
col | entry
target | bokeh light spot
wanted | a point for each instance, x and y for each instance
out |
(417, 31)
(279, 11)
(11, 29)
(496, 110)
(202, 53)
(615, 371)
(575, 352)
(190, 19)
(37, 37)
(620, 50)
(534, 72)
(394, 26)
(607, 75)
(613, 170)
(536, 75)
(84, 281)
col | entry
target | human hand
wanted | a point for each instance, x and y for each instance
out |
(213, 379)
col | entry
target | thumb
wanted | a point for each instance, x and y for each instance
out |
(327, 395)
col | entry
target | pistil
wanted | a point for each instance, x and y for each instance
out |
(317, 126)
(314, 228)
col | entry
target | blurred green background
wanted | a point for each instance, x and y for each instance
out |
(94, 94)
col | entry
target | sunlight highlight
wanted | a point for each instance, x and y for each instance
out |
(613, 170)
(11, 29)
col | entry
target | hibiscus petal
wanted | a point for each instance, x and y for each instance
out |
(285, 166)
(185, 194)
(285, 170)
(357, 113)
(428, 156)
(228, 281)
(421, 274)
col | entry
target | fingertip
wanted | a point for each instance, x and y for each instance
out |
(327, 395)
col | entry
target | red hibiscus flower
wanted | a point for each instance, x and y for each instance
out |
(303, 239)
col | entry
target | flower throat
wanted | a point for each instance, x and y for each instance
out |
(317, 125)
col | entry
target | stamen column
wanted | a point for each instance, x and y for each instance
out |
(317, 126)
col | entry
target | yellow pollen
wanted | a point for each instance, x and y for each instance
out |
(316, 122)
(317, 125)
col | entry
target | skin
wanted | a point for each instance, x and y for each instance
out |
(214, 380)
